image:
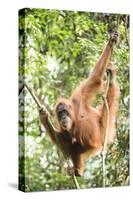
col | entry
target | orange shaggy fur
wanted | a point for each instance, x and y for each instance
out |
(87, 133)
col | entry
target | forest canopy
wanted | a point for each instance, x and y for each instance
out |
(57, 50)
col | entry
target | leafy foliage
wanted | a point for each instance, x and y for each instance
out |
(57, 50)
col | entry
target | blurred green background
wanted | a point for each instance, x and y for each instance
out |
(57, 50)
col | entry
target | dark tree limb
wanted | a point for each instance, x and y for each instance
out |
(126, 30)
(33, 96)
